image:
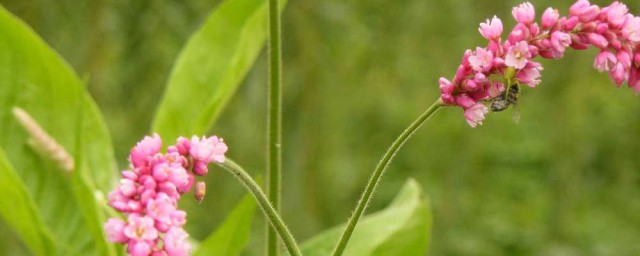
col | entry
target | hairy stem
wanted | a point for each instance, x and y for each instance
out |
(377, 175)
(269, 211)
(274, 129)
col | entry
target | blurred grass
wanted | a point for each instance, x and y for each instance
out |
(564, 181)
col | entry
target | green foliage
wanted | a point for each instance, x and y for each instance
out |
(233, 234)
(19, 210)
(403, 228)
(37, 79)
(210, 68)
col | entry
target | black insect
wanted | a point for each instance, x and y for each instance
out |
(508, 98)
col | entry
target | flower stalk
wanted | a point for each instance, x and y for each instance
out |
(269, 211)
(274, 126)
(376, 176)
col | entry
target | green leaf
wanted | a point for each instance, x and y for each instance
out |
(83, 188)
(36, 79)
(211, 67)
(18, 210)
(233, 235)
(402, 229)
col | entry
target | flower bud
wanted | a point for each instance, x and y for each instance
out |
(598, 40)
(524, 13)
(200, 190)
(549, 18)
(491, 30)
(605, 61)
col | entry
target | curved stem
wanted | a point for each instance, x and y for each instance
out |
(274, 127)
(269, 212)
(377, 175)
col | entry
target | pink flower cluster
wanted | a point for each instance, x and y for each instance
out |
(486, 71)
(149, 192)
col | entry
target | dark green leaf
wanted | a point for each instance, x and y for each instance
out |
(401, 229)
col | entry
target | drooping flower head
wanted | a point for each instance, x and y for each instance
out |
(149, 191)
(484, 74)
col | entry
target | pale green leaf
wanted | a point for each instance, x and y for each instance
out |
(233, 234)
(210, 68)
(36, 79)
(401, 229)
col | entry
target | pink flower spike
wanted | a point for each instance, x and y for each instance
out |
(605, 61)
(524, 13)
(176, 243)
(518, 55)
(475, 114)
(550, 18)
(140, 228)
(481, 60)
(491, 30)
(115, 230)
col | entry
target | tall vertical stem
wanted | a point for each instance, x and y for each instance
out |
(274, 162)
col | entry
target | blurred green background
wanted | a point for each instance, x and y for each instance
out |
(564, 181)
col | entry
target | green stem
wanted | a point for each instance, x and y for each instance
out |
(377, 175)
(274, 130)
(269, 211)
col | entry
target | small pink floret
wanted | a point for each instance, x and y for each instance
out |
(176, 242)
(524, 13)
(475, 114)
(115, 230)
(491, 30)
(518, 55)
(140, 228)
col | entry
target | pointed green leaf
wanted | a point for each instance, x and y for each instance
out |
(401, 229)
(36, 79)
(210, 68)
(233, 235)
(19, 210)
